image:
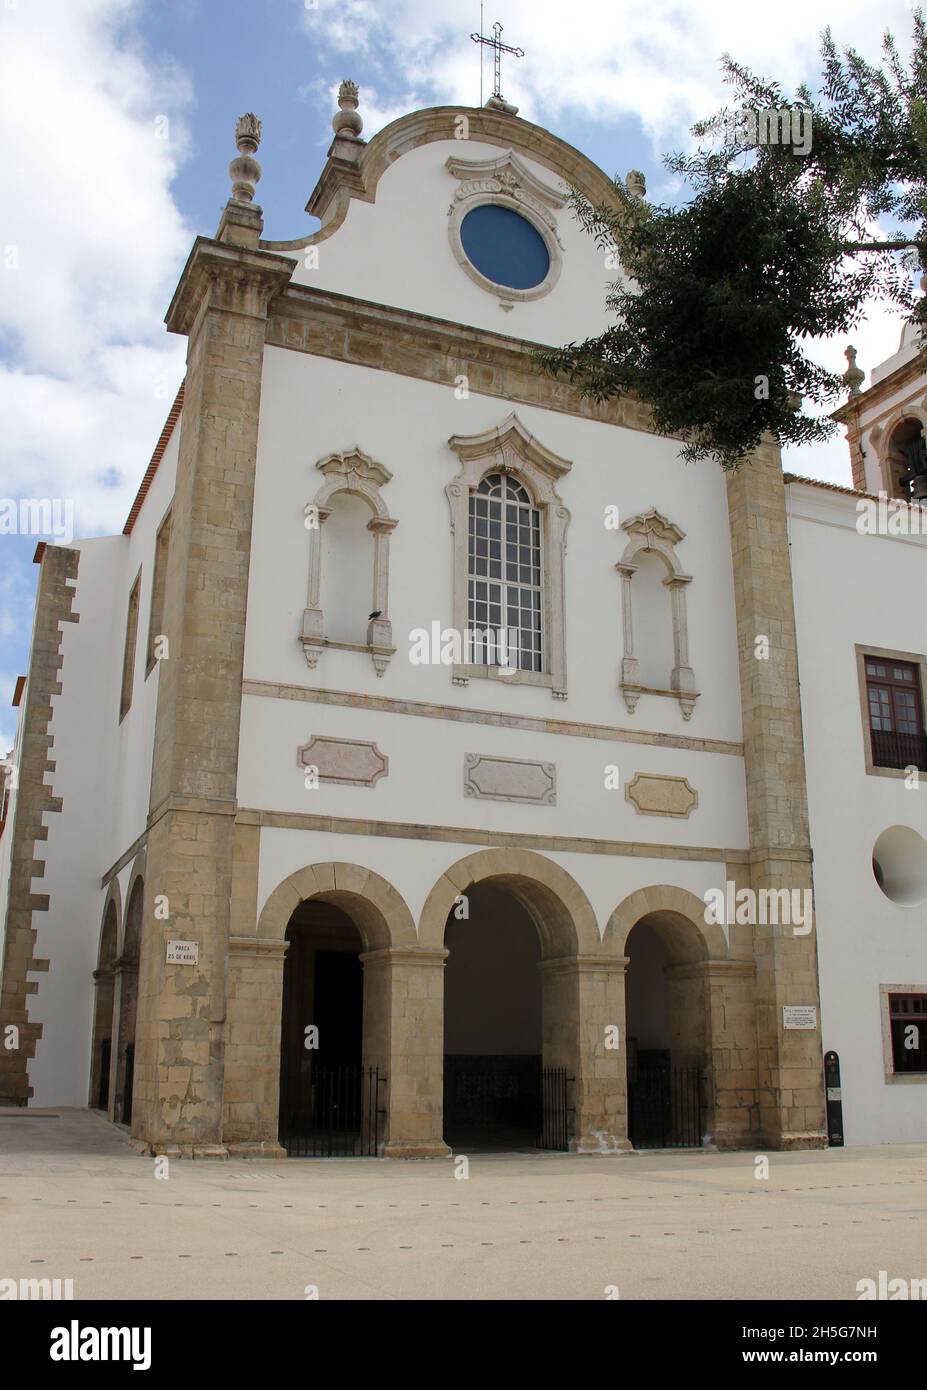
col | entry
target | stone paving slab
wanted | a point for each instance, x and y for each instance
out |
(77, 1201)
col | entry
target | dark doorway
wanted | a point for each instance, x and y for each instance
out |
(106, 1048)
(492, 1025)
(329, 1102)
(665, 1051)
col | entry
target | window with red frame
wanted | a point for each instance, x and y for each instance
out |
(896, 713)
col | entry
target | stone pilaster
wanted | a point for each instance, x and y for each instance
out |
(34, 799)
(404, 1037)
(221, 305)
(251, 1091)
(790, 1063)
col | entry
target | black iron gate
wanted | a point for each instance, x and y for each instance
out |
(333, 1112)
(664, 1105)
(553, 1120)
(103, 1091)
(505, 1102)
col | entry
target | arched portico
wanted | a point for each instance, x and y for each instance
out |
(102, 1056)
(400, 1011)
(689, 1013)
(581, 984)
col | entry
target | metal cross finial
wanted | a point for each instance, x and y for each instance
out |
(498, 48)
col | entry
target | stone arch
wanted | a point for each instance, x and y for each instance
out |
(891, 459)
(683, 995)
(113, 899)
(678, 918)
(139, 871)
(554, 900)
(378, 910)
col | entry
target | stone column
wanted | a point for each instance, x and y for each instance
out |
(682, 678)
(583, 1004)
(221, 304)
(313, 629)
(404, 1037)
(790, 1064)
(630, 666)
(103, 995)
(125, 1013)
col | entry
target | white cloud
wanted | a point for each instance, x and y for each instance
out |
(93, 245)
(658, 62)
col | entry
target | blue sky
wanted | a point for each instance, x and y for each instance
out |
(119, 118)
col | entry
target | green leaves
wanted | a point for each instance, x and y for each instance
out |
(779, 244)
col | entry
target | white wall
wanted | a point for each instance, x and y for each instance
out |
(850, 589)
(312, 407)
(397, 251)
(103, 774)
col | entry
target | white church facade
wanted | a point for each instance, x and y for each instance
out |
(435, 760)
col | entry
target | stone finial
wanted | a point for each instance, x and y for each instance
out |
(853, 377)
(347, 122)
(636, 184)
(245, 171)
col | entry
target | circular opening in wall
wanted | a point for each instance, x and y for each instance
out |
(899, 863)
(505, 247)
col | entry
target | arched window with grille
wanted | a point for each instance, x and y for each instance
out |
(505, 575)
(509, 525)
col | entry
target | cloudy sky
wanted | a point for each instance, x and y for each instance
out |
(118, 117)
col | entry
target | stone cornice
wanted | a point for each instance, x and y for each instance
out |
(507, 839)
(326, 324)
(231, 278)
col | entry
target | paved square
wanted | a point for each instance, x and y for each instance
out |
(76, 1201)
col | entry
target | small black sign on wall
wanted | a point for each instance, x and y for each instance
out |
(834, 1100)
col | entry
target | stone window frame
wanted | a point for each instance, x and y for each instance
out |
(893, 1078)
(158, 582)
(651, 531)
(358, 475)
(917, 659)
(131, 644)
(505, 181)
(511, 449)
(880, 436)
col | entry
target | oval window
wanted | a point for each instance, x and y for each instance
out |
(505, 247)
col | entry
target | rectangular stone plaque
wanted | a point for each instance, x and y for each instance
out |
(799, 1016)
(183, 952)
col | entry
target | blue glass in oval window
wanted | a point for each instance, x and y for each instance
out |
(505, 247)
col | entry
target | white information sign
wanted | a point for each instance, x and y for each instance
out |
(799, 1016)
(183, 952)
